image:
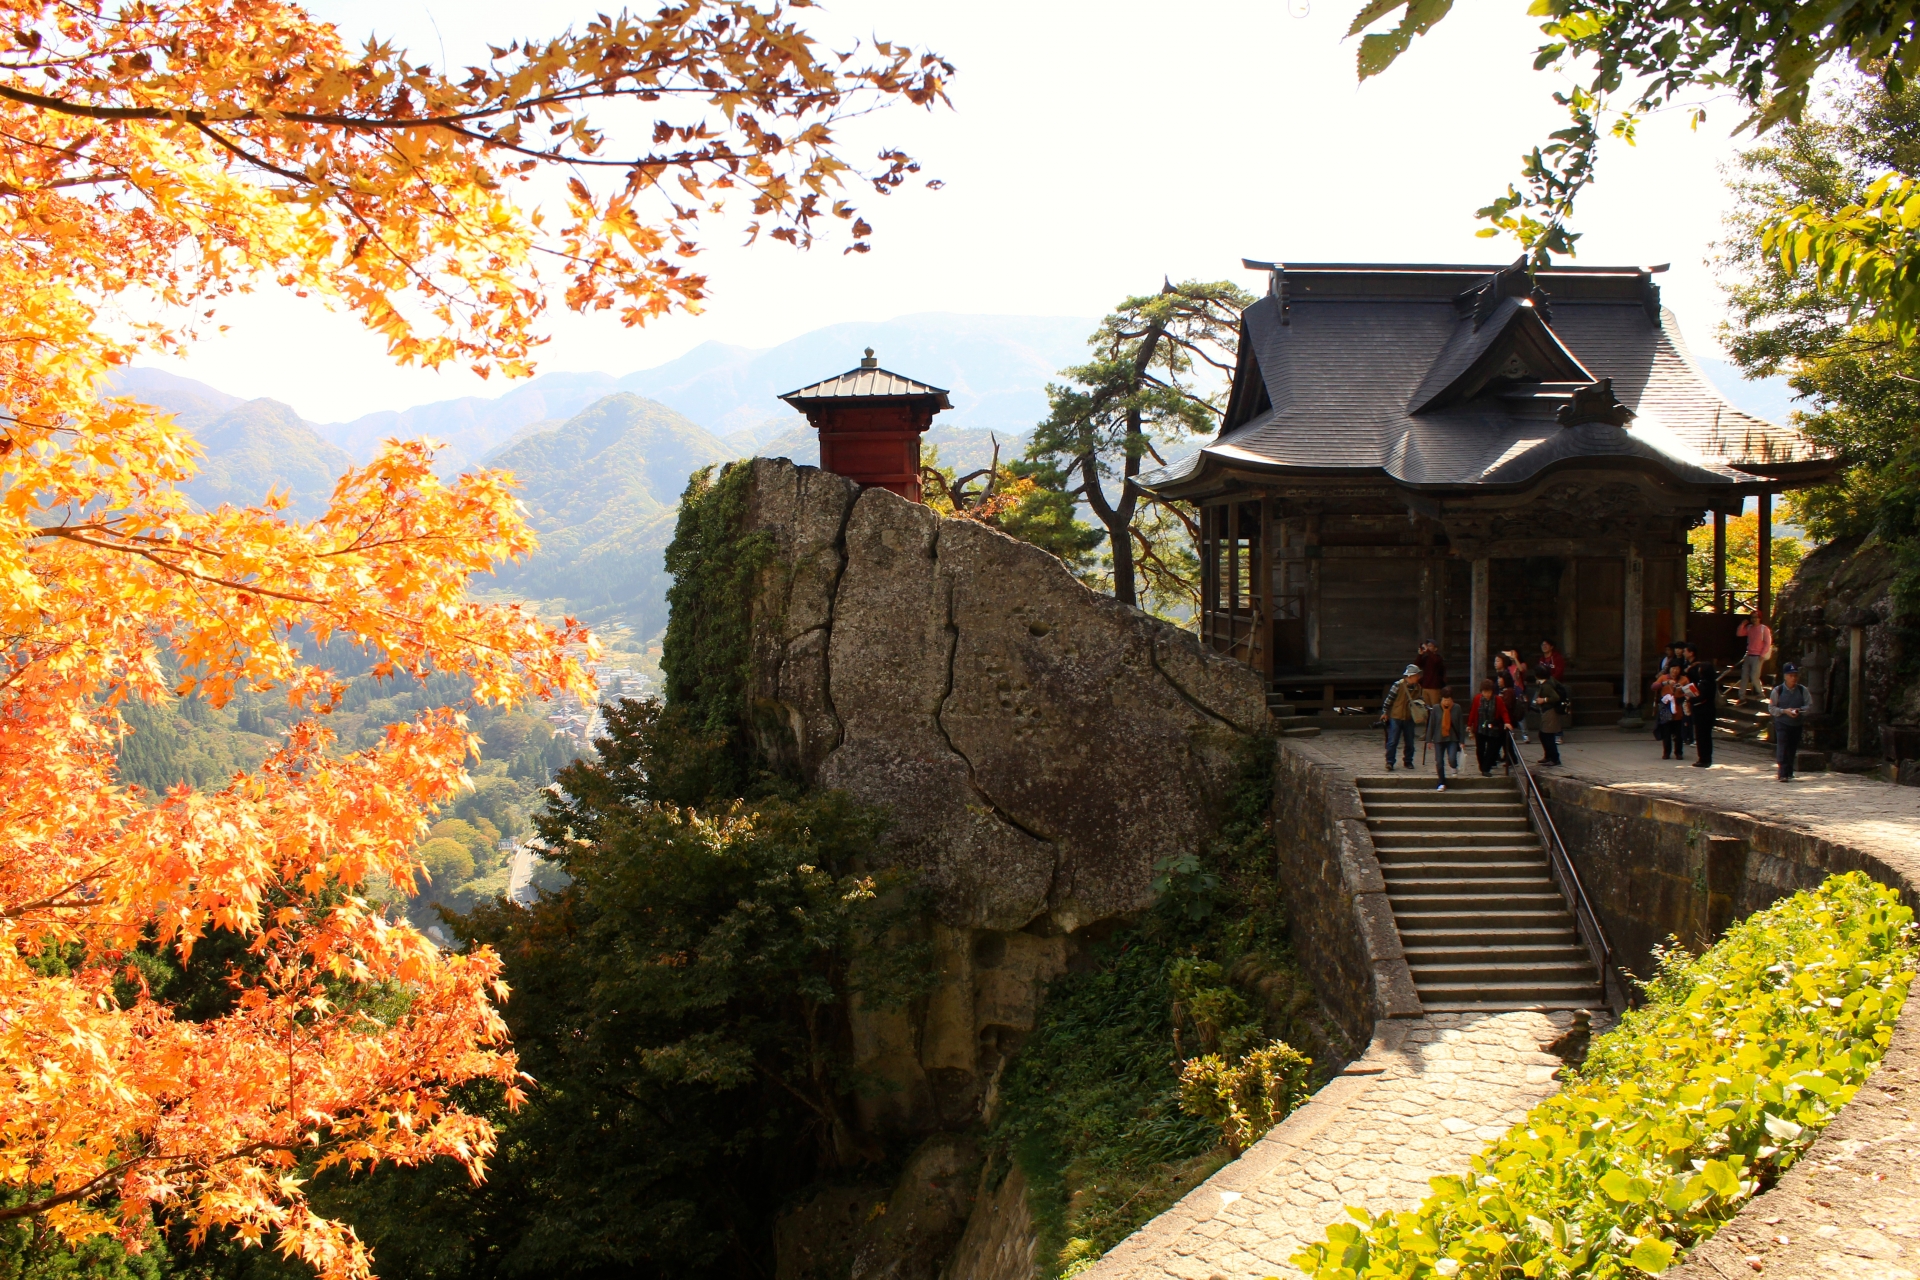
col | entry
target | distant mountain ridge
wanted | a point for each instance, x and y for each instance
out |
(996, 369)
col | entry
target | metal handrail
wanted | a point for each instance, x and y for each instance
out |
(1585, 918)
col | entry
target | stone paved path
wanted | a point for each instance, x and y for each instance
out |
(1846, 808)
(1405, 1113)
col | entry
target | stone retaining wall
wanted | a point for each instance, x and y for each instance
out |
(1342, 925)
(1658, 868)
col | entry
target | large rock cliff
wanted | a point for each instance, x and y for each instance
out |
(1038, 747)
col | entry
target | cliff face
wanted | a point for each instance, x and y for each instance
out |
(1039, 748)
(1839, 582)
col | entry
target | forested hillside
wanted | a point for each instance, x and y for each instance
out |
(600, 490)
(251, 446)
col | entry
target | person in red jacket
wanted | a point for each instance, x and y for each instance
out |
(1550, 656)
(1489, 720)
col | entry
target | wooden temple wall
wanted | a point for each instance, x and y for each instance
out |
(1349, 598)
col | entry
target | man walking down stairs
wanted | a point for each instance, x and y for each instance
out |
(1483, 922)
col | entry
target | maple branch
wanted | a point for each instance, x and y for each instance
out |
(34, 1208)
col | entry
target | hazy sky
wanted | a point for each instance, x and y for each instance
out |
(1092, 148)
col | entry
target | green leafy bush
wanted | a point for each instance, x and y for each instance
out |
(1692, 1105)
(1249, 1096)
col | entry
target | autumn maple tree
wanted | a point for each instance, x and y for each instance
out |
(157, 157)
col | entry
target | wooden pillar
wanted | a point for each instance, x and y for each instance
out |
(1719, 562)
(1766, 558)
(1311, 548)
(1682, 604)
(1428, 624)
(1233, 579)
(1479, 662)
(1856, 690)
(1264, 563)
(1209, 579)
(1569, 617)
(1633, 581)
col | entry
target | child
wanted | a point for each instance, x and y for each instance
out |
(1446, 730)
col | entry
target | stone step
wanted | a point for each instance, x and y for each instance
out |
(1486, 971)
(1462, 825)
(1453, 803)
(1476, 949)
(1474, 872)
(1520, 994)
(1529, 856)
(1510, 1006)
(1425, 915)
(1492, 842)
(1446, 943)
(1436, 805)
(1479, 887)
(1412, 780)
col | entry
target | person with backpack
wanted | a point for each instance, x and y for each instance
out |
(1446, 730)
(1787, 702)
(1400, 708)
(1549, 698)
(1491, 724)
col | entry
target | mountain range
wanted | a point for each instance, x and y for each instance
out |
(602, 460)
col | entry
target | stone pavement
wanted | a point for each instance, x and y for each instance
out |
(1430, 1093)
(1845, 808)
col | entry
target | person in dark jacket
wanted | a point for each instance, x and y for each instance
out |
(1551, 657)
(1490, 723)
(1549, 698)
(1446, 730)
(1788, 702)
(1703, 692)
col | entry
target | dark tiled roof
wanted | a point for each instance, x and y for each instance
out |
(869, 381)
(1384, 370)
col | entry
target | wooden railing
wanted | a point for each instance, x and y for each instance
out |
(1585, 918)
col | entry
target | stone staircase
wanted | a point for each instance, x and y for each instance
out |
(1744, 720)
(1483, 923)
(1286, 718)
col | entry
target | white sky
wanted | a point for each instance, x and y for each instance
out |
(1092, 148)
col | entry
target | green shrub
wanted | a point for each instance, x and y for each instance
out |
(1248, 1097)
(1692, 1105)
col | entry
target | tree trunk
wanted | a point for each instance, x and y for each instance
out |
(1118, 517)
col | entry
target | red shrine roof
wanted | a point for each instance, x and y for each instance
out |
(868, 382)
(1468, 377)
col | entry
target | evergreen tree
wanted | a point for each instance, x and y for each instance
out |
(1159, 369)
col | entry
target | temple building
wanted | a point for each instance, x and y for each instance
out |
(1474, 455)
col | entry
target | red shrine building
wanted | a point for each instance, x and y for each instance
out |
(870, 422)
(1475, 455)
